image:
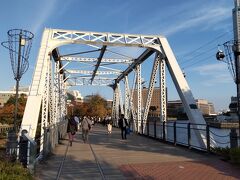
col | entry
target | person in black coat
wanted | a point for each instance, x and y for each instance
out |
(122, 123)
(71, 129)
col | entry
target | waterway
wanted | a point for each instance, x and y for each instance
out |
(218, 137)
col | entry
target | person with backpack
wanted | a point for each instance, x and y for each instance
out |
(86, 127)
(71, 129)
(122, 123)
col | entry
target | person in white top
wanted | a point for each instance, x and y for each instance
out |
(109, 124)
(77, 121)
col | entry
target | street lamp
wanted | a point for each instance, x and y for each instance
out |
(220, 55)
(19, 45)
(231, 58)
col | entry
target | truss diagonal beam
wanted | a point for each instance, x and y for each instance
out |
(139, 60)
(84, 52)
(150, 89)
(103, 49)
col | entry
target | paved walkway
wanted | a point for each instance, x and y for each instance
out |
(109, 157)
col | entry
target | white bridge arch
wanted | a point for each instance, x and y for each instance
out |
(52, 76)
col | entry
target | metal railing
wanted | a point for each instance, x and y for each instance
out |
(5, 128)
(184, 133)
(31, 151)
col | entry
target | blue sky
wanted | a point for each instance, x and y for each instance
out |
(193, 28)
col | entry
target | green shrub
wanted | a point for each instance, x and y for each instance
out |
(224, 152)
(14, 171)
(3, 135)
(235, 155)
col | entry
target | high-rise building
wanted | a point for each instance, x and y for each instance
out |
(155, 101)
(174, 108)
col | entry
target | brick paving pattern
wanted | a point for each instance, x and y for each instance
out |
(181, 171)
(137, 158)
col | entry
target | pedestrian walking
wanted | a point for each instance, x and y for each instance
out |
(76, 118)
(86, 127)
(71, 129)
(109, 124)
(122, 123)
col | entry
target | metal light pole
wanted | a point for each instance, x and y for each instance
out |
(237, 79)
(232, 54)
(236, 50)
(19, 45)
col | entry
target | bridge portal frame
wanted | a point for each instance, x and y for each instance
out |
(43, 90)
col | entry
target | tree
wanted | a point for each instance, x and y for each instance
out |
(95, 106)
(6, 113)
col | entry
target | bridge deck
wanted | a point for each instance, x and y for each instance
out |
(135, 158)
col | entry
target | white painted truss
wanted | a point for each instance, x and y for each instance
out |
(75, 71)
(88, 59)
(150, 90)
(96, 38)
(81, 81)
(48, 89)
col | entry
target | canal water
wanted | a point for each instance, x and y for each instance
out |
(218, 137)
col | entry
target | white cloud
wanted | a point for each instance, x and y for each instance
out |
(211, 68)
(214, 74)
(44, 13)
(187, 16)
(206, 18)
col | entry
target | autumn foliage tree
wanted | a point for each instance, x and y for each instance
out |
(7, 112)
(95, 106)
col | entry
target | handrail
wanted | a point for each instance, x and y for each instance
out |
(182, 133)
(30, 149)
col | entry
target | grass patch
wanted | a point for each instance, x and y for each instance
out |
(235, 155)
(230, 154)
(12, 170)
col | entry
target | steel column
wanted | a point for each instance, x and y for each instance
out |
(162, 85)
(133, 111)
(127, 98)
(150, 89)
(45, 101)
(139, 97)
(120, 98)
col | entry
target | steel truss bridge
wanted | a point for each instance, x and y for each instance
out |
(104, 60)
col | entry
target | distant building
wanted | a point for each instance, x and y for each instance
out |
(88, 98)
(233, 109)
(21, 88)
(155, 101)
(175, 108)
(5, 95)
(207, 108)
(233, 104)
(109, 103)
(77, 97)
